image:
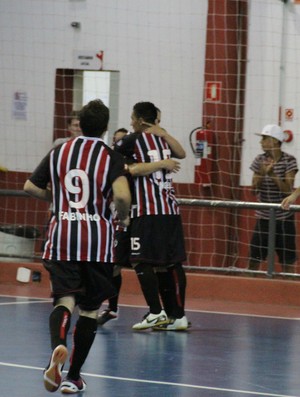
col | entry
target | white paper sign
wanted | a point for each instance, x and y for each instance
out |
(88, 60)
(19, 106)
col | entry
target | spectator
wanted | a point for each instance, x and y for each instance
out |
(73, 128)
(78, 253)
(285, 204)
(273, 179)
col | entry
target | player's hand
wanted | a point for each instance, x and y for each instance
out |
(125, 222)
(155, 129)
(171, 165)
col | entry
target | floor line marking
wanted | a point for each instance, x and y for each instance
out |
(225, 313)
(46, 300)
(24, 302)
(155, 382)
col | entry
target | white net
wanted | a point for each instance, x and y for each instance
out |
(229, 66)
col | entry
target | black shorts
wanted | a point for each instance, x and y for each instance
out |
(285, 245)
(89, 282)
(157, 240)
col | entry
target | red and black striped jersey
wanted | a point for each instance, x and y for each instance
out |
(153, 194)
(80, 172)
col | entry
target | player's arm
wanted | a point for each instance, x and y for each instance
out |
(122, 199)
(37, 192)
(38, 183)
(143, 169)
(177, 150)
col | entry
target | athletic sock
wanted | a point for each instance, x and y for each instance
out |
(83, 337)
(59, 324)
(179, 279)
(149, 284)
(113, 302)
(166, 291)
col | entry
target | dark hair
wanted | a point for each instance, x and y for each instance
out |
(145, 110)
(94, 118)
(121, 130)
(73, 115)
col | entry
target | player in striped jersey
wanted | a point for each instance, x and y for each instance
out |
(122, 236)
(85, 176)
(273, 179)
(156, 230)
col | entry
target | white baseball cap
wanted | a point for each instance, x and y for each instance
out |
(274, 131)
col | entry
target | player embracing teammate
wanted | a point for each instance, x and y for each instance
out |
(157, 242)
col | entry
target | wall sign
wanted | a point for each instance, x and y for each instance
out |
(213, 91)
(88, 60)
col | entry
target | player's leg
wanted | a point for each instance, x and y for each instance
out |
(143, 257)
(83, 338)
(166, 290)
(173, 283)
(59, 319)
(111, 312)
(117, 283)
(96, 280)
(59, 324)
(122, 241)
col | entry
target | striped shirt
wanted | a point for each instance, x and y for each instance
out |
(81, 172)
(268, 191)
(153, 194)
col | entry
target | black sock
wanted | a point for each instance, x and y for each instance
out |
(179, 280)
(83, 337)
(59, 324)
(113, 302)
(167, 292)
(149, 284)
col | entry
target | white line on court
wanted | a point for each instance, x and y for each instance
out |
(156, 382)
(226, 313)
(44, 300)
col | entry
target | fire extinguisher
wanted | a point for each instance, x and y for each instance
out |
(201, 140)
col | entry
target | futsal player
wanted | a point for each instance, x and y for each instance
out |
(85, 175)
(156, 230)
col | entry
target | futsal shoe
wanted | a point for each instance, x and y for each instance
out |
(52, 374)
(70, 386)
(174, 324)
(106, 315)
(151, 320)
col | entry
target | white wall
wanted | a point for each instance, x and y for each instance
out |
(273, 77)
(159, 48)
(157, 45)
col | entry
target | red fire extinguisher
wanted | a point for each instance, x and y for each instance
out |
(201, 140)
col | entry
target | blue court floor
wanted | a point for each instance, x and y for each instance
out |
(222, 355)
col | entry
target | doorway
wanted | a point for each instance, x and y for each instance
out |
(75, 88)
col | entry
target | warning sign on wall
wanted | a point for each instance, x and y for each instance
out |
(213, 91)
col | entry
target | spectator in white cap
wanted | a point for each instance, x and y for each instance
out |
(273, 180)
